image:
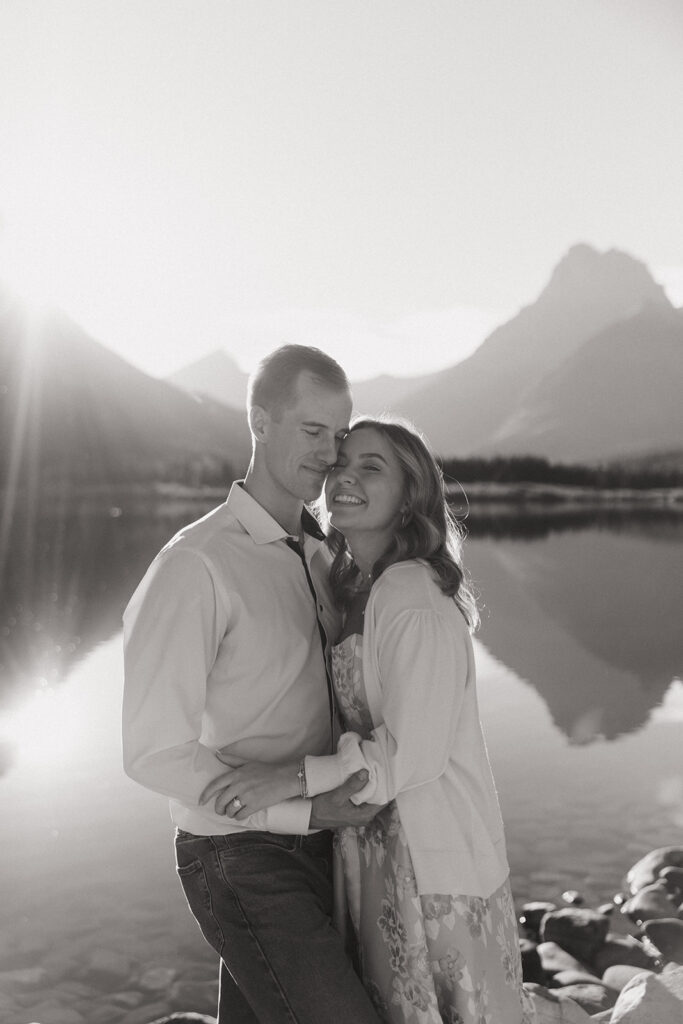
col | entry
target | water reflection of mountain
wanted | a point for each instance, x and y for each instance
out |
(590, 617)
(68, 574)
(587, 610)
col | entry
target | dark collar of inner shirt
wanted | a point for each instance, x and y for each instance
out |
(311, 526)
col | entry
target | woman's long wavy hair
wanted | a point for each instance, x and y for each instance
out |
(427, 529)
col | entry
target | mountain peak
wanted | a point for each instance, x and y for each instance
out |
(584, 273)
(217, 375)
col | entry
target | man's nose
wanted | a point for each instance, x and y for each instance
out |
(327, 451)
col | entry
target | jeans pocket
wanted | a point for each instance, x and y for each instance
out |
(192, 877)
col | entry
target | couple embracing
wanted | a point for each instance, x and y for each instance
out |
(302, 688)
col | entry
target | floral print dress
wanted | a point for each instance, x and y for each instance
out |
(424, 959)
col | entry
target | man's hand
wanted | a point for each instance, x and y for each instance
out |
(334, 809)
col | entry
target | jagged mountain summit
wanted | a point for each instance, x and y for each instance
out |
(464, 410)
(618, 396)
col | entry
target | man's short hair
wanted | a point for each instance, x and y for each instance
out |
(273, 384)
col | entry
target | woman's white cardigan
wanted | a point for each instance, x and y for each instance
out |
(427, 749)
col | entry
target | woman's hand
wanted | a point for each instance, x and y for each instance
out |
(255, 785)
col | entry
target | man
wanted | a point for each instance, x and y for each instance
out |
(224, 655)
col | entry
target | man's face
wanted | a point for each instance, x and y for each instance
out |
(302, 440)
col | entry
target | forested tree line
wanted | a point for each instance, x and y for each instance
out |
(532, 469)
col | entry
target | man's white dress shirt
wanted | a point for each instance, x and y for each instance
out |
(223, 654)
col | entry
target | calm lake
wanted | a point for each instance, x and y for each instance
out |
(580, 658)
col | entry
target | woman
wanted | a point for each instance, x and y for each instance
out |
(427, 881)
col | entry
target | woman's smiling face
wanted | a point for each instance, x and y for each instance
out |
(364, 493)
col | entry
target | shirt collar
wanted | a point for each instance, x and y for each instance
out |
(258, 523)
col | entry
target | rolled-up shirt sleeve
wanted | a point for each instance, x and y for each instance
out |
(423, 667)
(173, 627)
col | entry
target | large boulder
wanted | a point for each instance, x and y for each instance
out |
(185, 1018)
(533, 913)
(673, 879)
(622, 949)
(551, 1009)
(532, 969)
(667, 935)
(593, 998)
(650, 902)
(579, 932)
(647, 869)
(555, 959)
(619, 975)
(573, 977)
(651, 999)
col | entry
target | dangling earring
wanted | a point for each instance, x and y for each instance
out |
(405, 516)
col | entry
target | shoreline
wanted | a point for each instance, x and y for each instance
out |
(488, 495)
(576, 961)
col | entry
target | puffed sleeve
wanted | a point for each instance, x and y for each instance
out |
(173, 627)
(423, 669)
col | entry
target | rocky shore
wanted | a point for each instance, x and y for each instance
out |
(620, 962)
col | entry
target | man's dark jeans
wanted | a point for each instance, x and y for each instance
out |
(264, 902)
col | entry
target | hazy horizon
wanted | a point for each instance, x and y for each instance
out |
(389, 180)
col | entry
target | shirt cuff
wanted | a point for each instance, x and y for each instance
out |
(331, 770)
(290, 818)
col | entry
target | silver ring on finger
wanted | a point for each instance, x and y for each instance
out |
(237, 803)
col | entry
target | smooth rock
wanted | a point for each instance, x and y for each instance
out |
(579, 932)
(21, 946)
(533, 913)
(618, 975)
(651, 902)
(51, 1012)
(606, 909)
(673, 879)
(592, 998)
(186, 1018)
(157, 979)
(550, 1009)
(555, 959)
(531, 962)
(106, 966)
(74, 989)
(622, 949)
(651, 999)
(23, 977)
(647, 869)
(203, 996)
(7, 1006)
(59, 965)
(563, 978)
(126, 1000)
(104, 1013)
(667, 935)
(148, 1012)
(574, 898)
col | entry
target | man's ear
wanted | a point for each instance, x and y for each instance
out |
(259, 421)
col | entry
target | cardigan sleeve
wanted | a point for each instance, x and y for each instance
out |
(423, 669)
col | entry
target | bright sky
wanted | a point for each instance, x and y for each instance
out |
(388, 179)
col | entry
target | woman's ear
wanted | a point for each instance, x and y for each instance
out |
(259, 420)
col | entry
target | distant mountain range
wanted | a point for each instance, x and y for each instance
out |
(591, 371)
(71, 409)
